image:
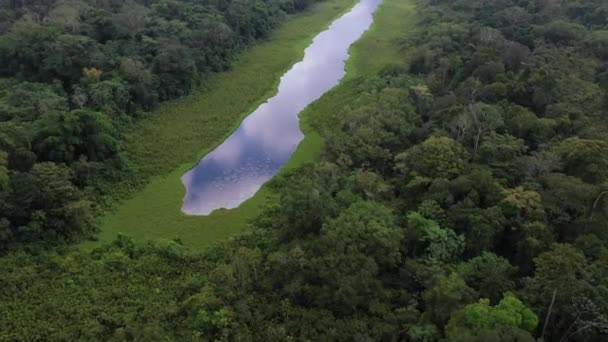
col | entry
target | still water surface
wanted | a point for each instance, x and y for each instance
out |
(235, 170)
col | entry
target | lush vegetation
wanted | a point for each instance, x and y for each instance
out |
(179, 133)
(461, 196)
(75, 73)
(148, 213)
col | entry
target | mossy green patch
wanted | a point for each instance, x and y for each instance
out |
(179, 133)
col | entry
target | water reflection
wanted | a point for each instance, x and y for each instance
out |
(265, 140)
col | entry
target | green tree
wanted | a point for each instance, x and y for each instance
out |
(560, 31)
(24, 101)
(307, 204)
(4, 176)
(174, 68)
(598, 42)
(24, 50)
(436, 157)
(522, 204)
(499, 151)
(535, 238)
(585, 158)
(367, 228)
(142, 83)
(448, 294)
(46, 205)
(67, 56)
(489, 274)
(483, 119)
(66, 136)
(563, 271)
(567, 217)
(440, 244)
(110, 97)
(475, 320)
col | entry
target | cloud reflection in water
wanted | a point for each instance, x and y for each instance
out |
(235, 170)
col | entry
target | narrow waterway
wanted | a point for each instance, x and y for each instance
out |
(266, 139)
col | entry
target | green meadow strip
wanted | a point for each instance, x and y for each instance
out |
(179, 133)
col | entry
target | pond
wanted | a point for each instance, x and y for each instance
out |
(266, 139)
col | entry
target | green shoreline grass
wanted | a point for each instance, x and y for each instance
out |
(179, 133)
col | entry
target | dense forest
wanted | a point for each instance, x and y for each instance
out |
(461, 195)
(74, 73)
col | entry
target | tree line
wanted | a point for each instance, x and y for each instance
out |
(74, 73)
(462, 196)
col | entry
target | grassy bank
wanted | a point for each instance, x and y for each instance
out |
(167, 144)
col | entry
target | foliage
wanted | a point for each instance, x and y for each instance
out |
(460, 199)
(509, 313)
(75, 74)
